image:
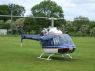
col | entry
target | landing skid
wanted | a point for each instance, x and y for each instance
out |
(48, 58)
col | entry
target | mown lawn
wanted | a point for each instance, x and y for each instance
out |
(16, 58)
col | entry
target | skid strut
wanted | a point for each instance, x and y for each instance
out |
(67, 56)
(48, 58)
(41, 55)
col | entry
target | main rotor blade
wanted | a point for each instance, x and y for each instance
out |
(40, 17)
(9, 16)
(60, 18)
(51, 18)
(21, 16)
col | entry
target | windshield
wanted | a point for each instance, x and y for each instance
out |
(65, 39)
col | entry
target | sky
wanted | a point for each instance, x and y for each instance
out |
(71, 8)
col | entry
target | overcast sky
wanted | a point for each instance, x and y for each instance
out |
(71, 8)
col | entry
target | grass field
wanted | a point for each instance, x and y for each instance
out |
(16, 58)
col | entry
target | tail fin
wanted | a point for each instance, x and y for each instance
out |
(21, 42)
(21, 33)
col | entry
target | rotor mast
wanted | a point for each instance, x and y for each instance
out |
(52, 21)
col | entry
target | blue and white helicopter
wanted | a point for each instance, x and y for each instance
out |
(53, 41)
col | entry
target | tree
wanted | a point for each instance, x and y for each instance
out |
(7, 24)
(84, 29)
(92, 24)
(47, 8)
(1, 24)
(69, 27)
(17, 10)
(78, 21)
(92, 31)
(4, 10)
(19, 22)
(30, 24)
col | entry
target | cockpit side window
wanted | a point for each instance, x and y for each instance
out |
(56, 41)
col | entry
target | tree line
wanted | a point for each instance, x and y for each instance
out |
(80, 26)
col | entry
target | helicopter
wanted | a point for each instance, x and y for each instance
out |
(52, 40)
